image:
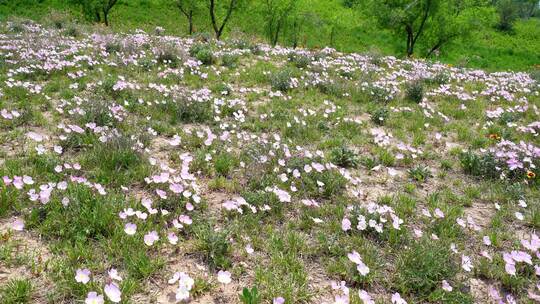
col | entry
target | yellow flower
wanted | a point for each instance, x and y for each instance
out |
(531, 175)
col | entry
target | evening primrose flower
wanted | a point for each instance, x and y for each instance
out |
(224, 277)
(93, 298)
(130, 229)
(151, 238)
(112, 291)
(82, 276)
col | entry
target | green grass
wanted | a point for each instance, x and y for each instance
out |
(16, 291)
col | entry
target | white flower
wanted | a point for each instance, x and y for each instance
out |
(82, 276)
(94, 298)
(130, 229)
(113, 274)
(396, 299)
(113, 292)
(151, 238)
(446, 286)
(466, 263)
(17, 225)
(365, 297)
(224, 277)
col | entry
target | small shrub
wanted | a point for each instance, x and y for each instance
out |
(256, 49)
(299, 60)
(241, 43)
(203, 53)
(536, 75)
(72, 31)
(281, 80)
(379, 116)
(441, 78)
(113, 46)
(223, 164)
(414, 91)
(421, 268)
(229, 60)
(168, 54)
(479, 165)
(214, 245)
(250, 296)
(16, 291)
(344, 157)
(420, 173)
(508, 14)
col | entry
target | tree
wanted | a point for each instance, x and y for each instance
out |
(106, 6)
(93, 9)
(214, 6)
(455, 19)
(188, 8)
(438, 20)
(276, 13)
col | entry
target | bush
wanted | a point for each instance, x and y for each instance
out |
(421, 268)
(214, 245)
(168, 54)
(379, 116)
(16, 291)
(419, 173)
(281, 80)
(344, 157)
(299, 60)
(414, 91)
(508, 14)
(203, 53)
(229, 60)
(479, 165)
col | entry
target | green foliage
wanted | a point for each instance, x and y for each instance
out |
(436, 21)
(299, 60)
(250, 296)
(229, 60)
(379, 116)
(479, 165)
(214, 245)
(344, 157)
(202, 52)
(16, 291)
(281, 80)
(414, 91)
(419, 173)
(508, 14)
(421, 268)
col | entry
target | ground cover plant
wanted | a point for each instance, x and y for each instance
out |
(141, 167)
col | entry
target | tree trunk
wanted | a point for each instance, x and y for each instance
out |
(218, 30)
(190, 20)
(410, 40)
(106, 17)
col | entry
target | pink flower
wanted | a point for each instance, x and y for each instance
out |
(151, 238)
(466, 263)
(278, 300)
(446, 286)
(396, 299)
(224, 277)
(113, 274)
(113, 292)
(365, 297)
(82, 276)
(173, 239)
(130, 229)
(345, 224)
(94, 298)
(17, 225)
